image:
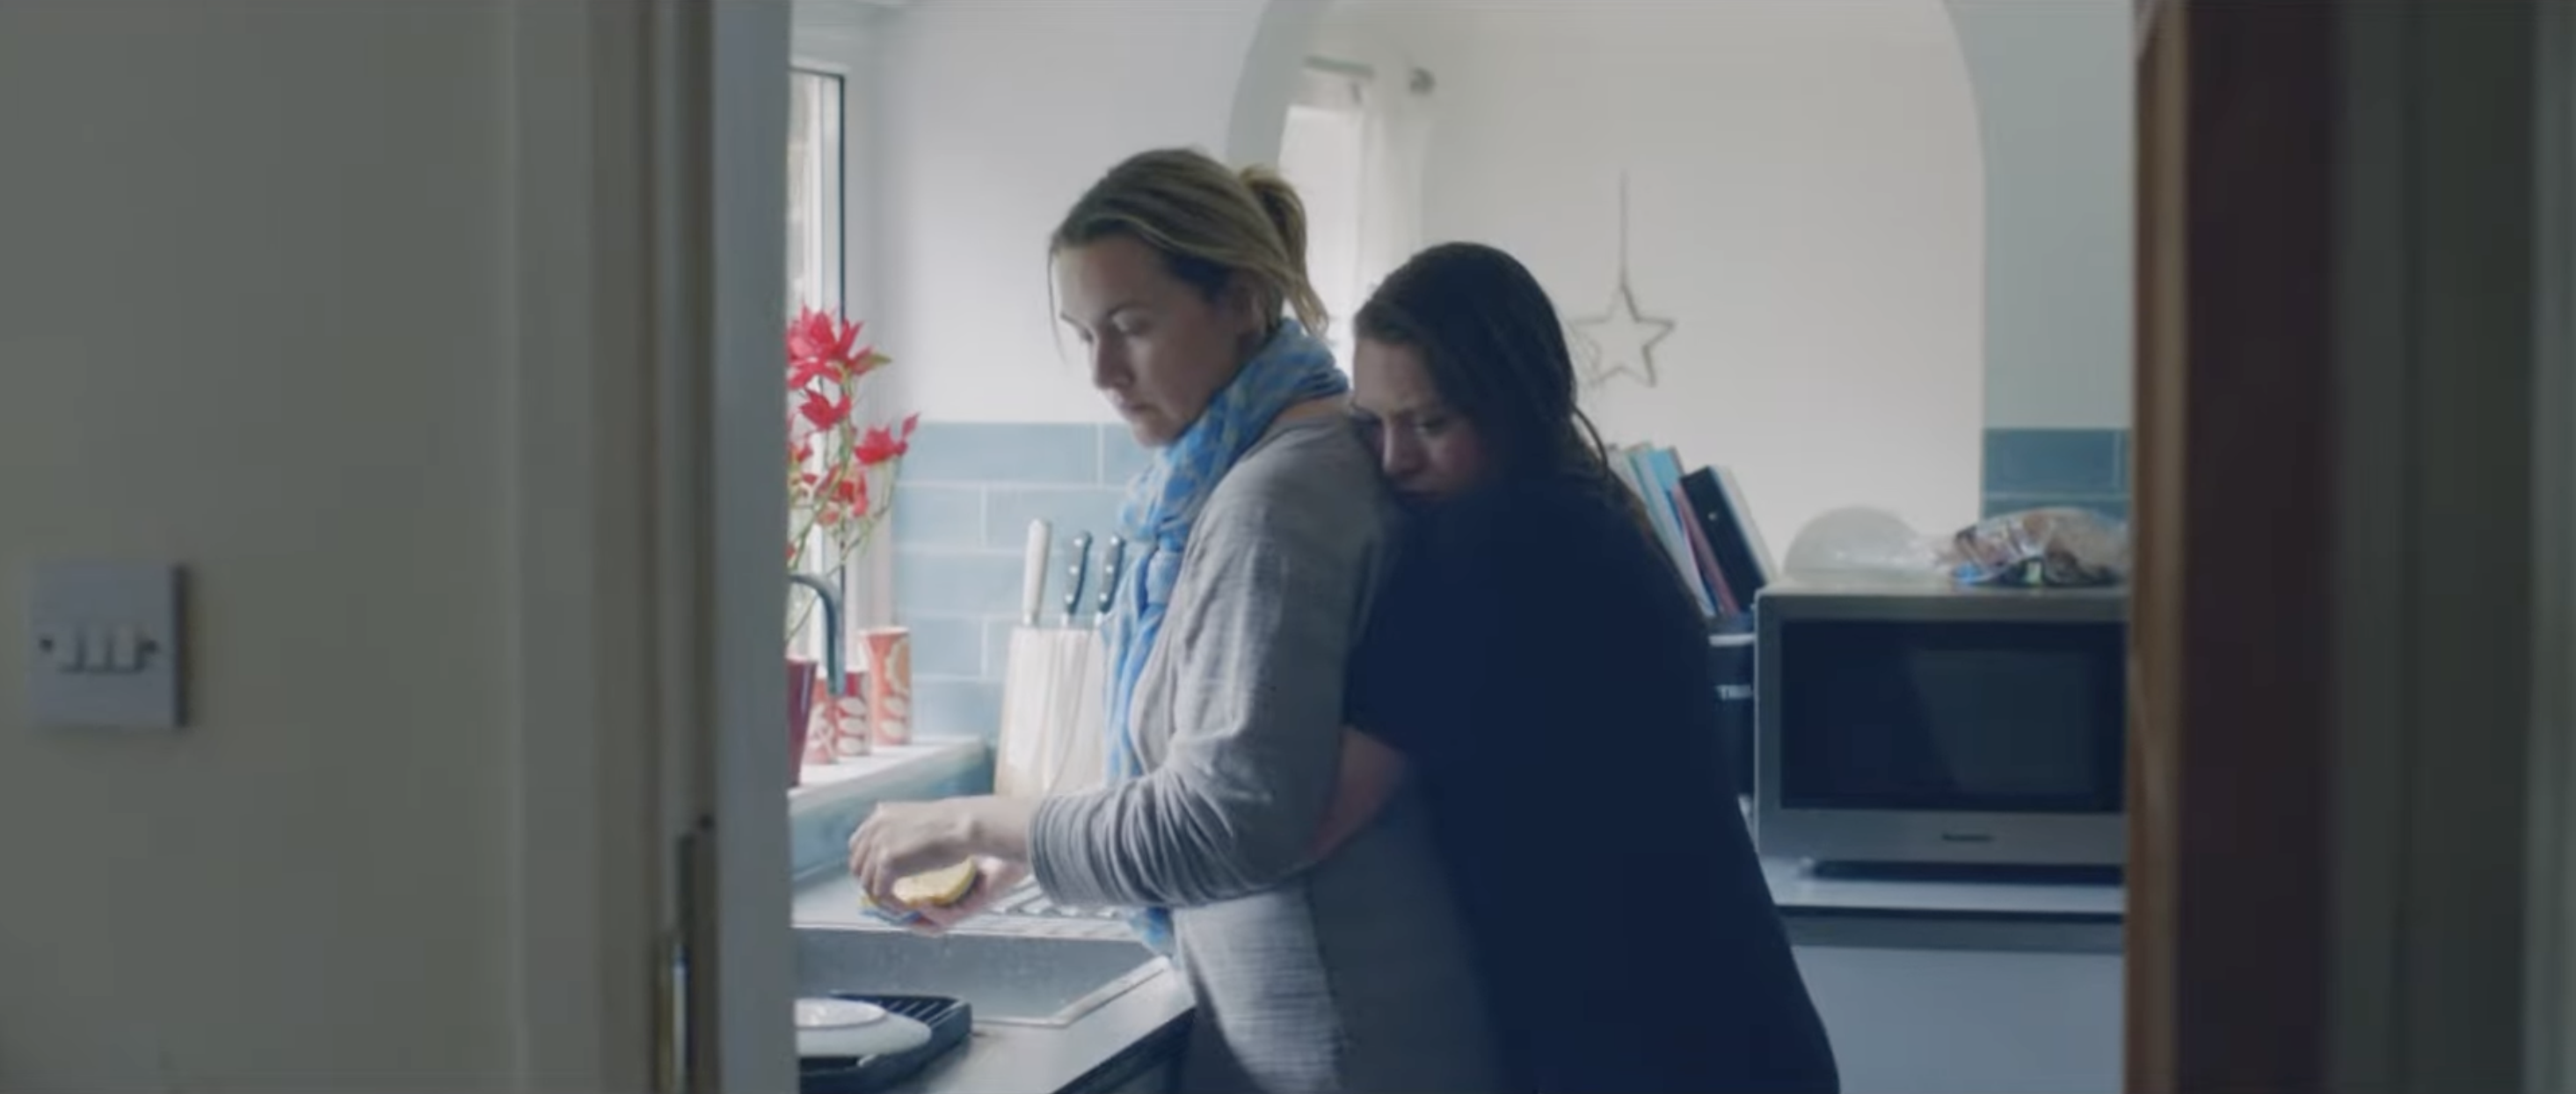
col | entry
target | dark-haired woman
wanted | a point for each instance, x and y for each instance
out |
(1536, 668)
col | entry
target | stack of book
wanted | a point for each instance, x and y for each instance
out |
(1701, 519)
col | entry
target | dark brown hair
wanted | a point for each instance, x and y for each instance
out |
(1496, 352)
(1213, 226)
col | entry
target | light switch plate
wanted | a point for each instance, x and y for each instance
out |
(105, 645)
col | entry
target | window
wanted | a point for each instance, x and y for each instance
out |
(1323, 152)
(1355, 147)
(815, 242)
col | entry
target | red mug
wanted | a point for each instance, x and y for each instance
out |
(800, 710)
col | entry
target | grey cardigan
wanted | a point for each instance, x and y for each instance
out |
(1351, 975)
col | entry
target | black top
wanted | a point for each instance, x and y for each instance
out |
(1547, 676)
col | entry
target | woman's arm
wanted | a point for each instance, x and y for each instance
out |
(1262, 625)
(1429, 647)
(902, 838)
(1371, 772)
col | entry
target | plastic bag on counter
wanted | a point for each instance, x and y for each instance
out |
(2041, 548)
(1862, 540)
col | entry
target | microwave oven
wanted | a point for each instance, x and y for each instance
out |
(1907, 724)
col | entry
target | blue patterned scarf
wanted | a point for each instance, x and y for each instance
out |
(1163, 503)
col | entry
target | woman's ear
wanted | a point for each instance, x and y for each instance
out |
(1243, 308)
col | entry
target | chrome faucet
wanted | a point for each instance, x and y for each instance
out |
(831, 630)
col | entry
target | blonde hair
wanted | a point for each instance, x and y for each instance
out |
(1213, 227)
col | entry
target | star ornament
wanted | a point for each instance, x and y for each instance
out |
(1620, 341)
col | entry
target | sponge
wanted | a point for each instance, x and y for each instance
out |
(934, 889)
(938, 888)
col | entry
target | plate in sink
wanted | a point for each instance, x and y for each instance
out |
(836, 1013)
(948, 1020)
(849, 1027)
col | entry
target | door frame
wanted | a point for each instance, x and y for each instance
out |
(2233, 331)
(2549, 1004)
(645, 197)
(2337, 722)
(651, 867)
(586, 871)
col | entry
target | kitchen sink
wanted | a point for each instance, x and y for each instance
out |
(1009, 978)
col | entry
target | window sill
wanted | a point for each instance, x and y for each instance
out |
(823, 786)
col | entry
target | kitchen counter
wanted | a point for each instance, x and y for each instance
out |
(1111, 1048)
(1956, 912)
(2031, 917)
(1117, 1045)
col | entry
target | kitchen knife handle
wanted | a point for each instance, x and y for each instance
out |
(1078, 571)
(1113, 557)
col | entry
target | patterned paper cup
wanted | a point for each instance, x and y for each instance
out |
(850, 730)
(889, 684)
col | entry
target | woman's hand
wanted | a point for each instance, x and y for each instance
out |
(1371, 771)
(994, 879)
(900, 839)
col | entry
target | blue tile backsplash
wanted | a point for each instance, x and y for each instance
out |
(1005, 452)
(938, 516)
(2030, 468)
(970, 489)
(1009, 509)
(961, 517)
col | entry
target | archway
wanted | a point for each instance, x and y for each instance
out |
(1807, 193)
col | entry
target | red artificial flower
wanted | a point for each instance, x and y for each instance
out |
(881, 445)
(805, 375)
(866, 360)
(877, 446)
(818, 338)
(825, 413)
(821, 346)
(824, 365)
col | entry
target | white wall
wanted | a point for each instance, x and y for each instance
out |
(253, 317)
(1810, 185)
(2056, 93)
(1806, 201)
(996, 115)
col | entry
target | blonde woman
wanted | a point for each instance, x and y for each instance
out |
(1264, 532)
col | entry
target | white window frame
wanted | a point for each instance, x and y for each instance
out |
(818, 275)
(824, 274)
(1323, 152)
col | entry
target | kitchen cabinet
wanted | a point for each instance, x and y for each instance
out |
(1959, 987)
(1938, 1021)
(1157, 1079)
(1959, 1021)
